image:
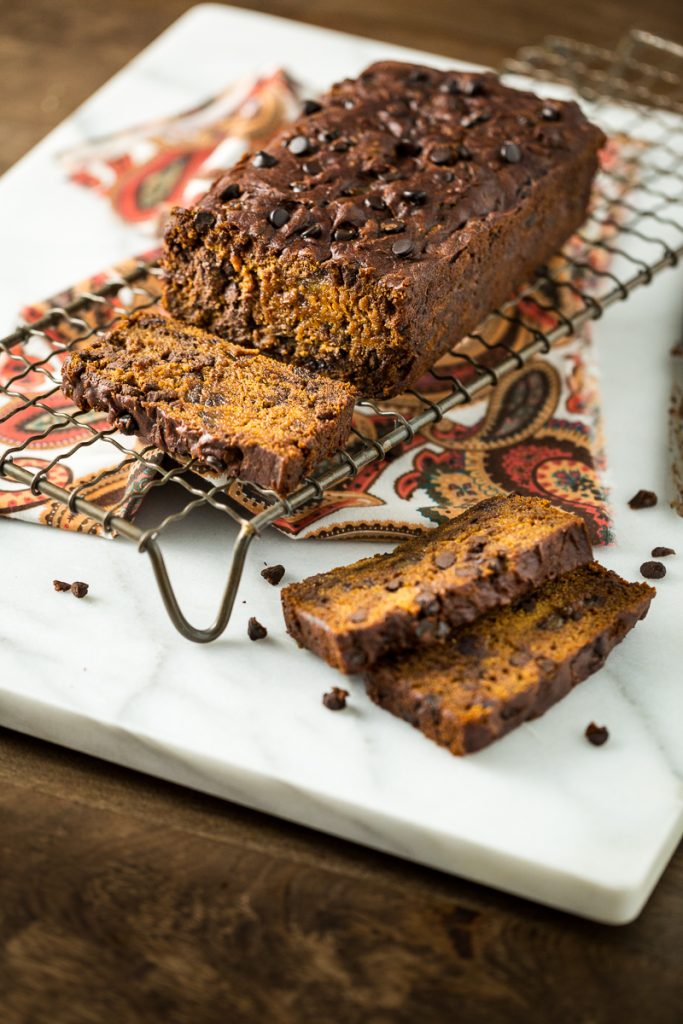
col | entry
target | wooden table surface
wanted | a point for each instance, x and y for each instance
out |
(123, 899)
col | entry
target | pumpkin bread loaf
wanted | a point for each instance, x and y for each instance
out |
(513, 663)
(494, 553)
(197, 396)
(381, 227)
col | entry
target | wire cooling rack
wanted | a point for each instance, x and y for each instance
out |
(634, 91)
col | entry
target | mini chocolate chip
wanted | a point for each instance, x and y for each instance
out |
(393, 585)
(310, 107)
(450, 87)
(375, 202)
(203, 220)
(60, 585)
(442, 155)
(510, 152)
(444, 559)
(643, 499)
(417, 197)
(464, 153)
(335, 700)
(328, 135)
(279, 216)
(255, 631)
(299, 186)
(263, 159)
(231, 192)
(79, 589)
(341, 146)
(406, 147)
(546, 665)
(402, 247)
(391, 227)
(596, 734)
(520, 658)
(428, 601)
(314, 231)
(359, 615)
(472, 87)
(549, 113)
(311, 167)
(345, 232)
(273, 574)
(662, 552)
(299, 145)
(653, 570)
(551, 622)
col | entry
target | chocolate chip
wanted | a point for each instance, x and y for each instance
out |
(231, 192)
(520, 658)
(464, 153)
(279, 216)
(596, 734)
(417, 197)
(444, 559)
(299, 186)
(653, 570)
(60, 585)
(510, 152)
(472, 87)
(553, 622)
(345, 232)
(391, 227)
(442, 155)
(79, 589)
(549, 113)
(314, 231)
(273, 574)
(335, 700)
(203, 220)
(662, 552)
(470, 644)
(375, 202)
(450, 87)
(359, 615)
(416, 75)
(299, 145)
(263, 159)
(311, 167)
(125, 422)
(428, 601)
(546, 665)
(393, 585)
(341, 146)
(255, 631)
(402, 247)
(310, 107)
(476, 117)
(328, 135)
(643, 499)
(406, 147)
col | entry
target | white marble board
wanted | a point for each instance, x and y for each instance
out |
(541, 813)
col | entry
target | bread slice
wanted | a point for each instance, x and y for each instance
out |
(512, 664)
(494, 553)
(195, 395)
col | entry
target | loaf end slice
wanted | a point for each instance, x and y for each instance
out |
(493, 554)
(512, 664)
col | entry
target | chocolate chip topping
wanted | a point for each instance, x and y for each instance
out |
(472, 87)
(444, 559)
(279, 216)
(335, 700)
(299, 145)
(653, 570)
(549, 113)
(375, 202)
(263, 159)
(393, 585)
(442, 155)
(417, 197)
(345, 232)
(203, 220)
(231, 192)
(314, 231)
(255, 631)
(662, 552)
(402, 247)
(310, 107)
(596, 734)
(79, 589)
(391, 227)
(273, 574)
(60, 585)
(643, 499)
(510, 152)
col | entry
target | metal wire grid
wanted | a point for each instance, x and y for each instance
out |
(637, 219)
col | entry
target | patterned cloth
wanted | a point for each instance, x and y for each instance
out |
(538, 433)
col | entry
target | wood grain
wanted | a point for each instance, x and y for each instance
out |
(123, 899)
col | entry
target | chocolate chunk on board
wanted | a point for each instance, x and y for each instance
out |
(381, 227)
(662, 552)
(653, 570)
(465, 701)
(195, 395)
(596, 734)
(503, 549)
(335, 700)
(273, 574)
(255, 630)
(643, 499)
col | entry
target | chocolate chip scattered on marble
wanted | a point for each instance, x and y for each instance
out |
(596, 734)
(643, 499)
(79, 589)
(335, 700)
(61, 586)
(662, 552)
(255, 631)
(273, 574)
(653, 570)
